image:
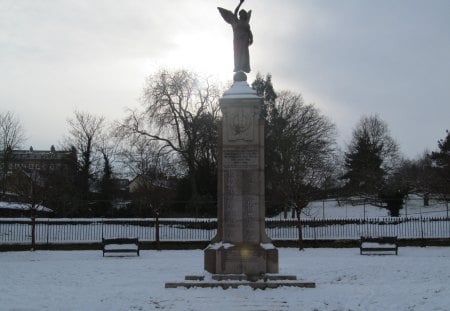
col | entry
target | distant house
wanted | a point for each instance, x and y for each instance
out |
(143, 181)
(123, 185)
(39, 160)
(18, 166)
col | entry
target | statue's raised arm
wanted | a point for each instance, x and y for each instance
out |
(242, 36)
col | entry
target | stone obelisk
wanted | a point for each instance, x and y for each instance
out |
(241, 245)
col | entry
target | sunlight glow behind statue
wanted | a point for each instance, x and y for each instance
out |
(242, 39)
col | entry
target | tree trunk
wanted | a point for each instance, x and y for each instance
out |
(33, 229)
(157, 240)
(426, 199)
(194, 190)
(5, 168)
(299, 227)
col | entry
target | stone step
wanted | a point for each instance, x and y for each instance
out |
(243, 277)
(226, 285)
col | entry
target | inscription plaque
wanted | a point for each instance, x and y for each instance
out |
(241, 158)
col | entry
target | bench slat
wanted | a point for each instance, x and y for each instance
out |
(120, 241)
(385, 244)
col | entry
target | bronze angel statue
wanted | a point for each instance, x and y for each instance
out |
(242, 36)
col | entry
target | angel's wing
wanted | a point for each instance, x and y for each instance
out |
(249, 14)
(228, 16)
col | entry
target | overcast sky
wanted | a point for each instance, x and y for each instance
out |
(349, 57)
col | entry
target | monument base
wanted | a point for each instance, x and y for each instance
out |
(247, 259)
(226, 281)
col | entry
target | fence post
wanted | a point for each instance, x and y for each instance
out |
(157, 240)
(314, 229)
(448, 220)
(421, 226)
(48, 226)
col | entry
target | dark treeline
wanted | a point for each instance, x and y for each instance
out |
(161, 158)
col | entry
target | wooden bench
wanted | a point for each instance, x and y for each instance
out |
(378, 244)
(125, 245)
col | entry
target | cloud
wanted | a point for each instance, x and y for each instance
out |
(350, 57)
(362, 57)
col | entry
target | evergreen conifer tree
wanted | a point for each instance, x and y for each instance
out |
(441, 166)
(363, 163)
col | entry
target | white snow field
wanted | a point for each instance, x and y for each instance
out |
(416, 279)
(412, 207)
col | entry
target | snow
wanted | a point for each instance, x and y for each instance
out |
(413, 207)
(240, 89)
(416, 279)
(267, 245)
(22, 206)
(219, 245)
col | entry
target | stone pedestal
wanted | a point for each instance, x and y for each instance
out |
(241, 245)
(241, 254)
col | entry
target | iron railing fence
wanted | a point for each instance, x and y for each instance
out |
(49, 231)
(54, 231)
(350, 229)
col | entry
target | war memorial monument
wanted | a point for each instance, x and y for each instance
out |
(241, 253)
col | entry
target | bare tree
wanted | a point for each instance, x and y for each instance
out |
(145, 159)
(140, 155)
(152, 170)
(430, 174)
(108, 145)
(180, 111)
(28, 186)
(302, 143)
(12, 136)
(84, 133)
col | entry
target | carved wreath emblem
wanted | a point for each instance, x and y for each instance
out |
(240, 123)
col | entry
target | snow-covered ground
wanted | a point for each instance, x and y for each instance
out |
(416, 279)
(413, 207)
